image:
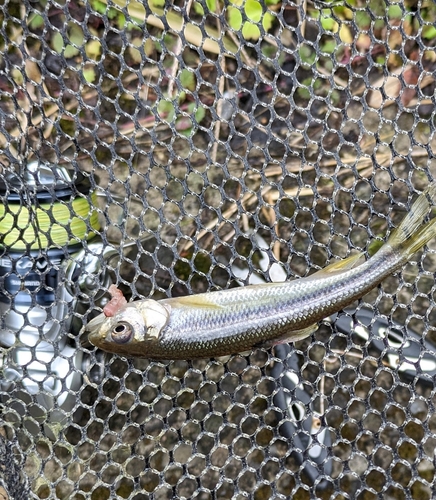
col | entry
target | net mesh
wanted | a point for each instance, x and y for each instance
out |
(221, 143)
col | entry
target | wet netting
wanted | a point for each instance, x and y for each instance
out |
(178, 148)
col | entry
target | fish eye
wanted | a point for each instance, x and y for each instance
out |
(122, 333)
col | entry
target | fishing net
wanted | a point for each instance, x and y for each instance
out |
(177, 148)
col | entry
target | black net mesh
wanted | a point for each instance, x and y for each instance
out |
(177, 148)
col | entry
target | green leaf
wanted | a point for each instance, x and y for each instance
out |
(329, 46)
(395, 12)
(307, 54)
(234, 18)
(429, 32)
(166, 110)
(187, 79)
(329, 24)
(36, 22)
(198, 8)
(57, 42)
(200, 114)
(66, 49)
(192, 109)
(75, 34)
(253, 9)
(267, 21)
(254, 12)
(363, 20)
(211, 5)
(122, 20)
(99, 7)
(250, 30)
(109, 12)
(184, 126)
(89, 74)
(182, 96)
(303, 93)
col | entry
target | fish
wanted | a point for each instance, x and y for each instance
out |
(231, 321)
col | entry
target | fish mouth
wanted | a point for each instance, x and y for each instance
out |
(91, 331)
(94, 325)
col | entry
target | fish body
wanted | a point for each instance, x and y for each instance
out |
(230, 321)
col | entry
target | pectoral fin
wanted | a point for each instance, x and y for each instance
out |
(291, 336)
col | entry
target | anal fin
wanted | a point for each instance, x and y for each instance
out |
(290, 336)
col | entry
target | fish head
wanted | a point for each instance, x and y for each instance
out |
(132, 329)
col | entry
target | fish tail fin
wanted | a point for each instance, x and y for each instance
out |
(411, 234)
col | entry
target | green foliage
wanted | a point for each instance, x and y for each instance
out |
(69, 48)
(89, 74)
(328, 23)
(210, 4)
(199, 113)
(394, 12)
(166, 110)
(36, 21)
(110, 12)
(429, 32)
(329, 46)
(307, 54)
(184, 124)
(188, 80)
(363, 20)
(254, 13)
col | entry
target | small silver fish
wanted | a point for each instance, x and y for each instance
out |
(236, 320)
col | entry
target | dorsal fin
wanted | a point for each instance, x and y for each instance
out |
(340, 265)
(200, 300)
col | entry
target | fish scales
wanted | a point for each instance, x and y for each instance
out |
(236, 320)
(248, 318)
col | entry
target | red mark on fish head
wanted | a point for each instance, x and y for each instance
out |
(116, 303)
